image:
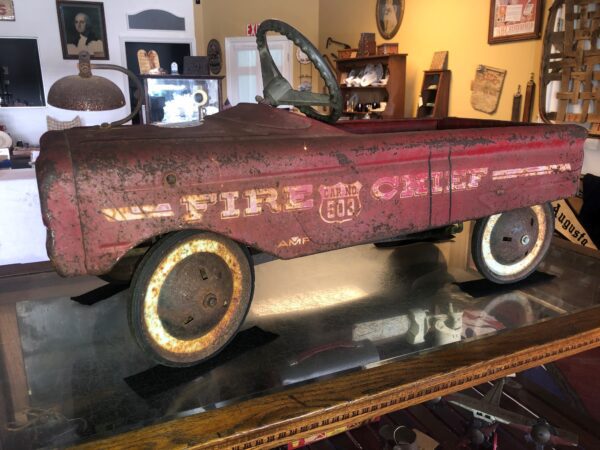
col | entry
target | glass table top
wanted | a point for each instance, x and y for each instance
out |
(71, 371)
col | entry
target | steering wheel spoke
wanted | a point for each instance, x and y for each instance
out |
(297, 98)
(278, 91)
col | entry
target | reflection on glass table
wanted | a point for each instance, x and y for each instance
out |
(311, 317)
(178, 99)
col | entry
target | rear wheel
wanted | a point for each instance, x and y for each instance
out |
(508, 247)
(190, 295)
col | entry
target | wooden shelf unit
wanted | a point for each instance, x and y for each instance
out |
(392, 93)
(435, 93)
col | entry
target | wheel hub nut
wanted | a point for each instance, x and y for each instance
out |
(210, 301)
(525, 239)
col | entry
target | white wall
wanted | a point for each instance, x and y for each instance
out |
(38, 19)
(591, 160)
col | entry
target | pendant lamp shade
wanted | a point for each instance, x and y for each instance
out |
(79, 93)
(88, 92)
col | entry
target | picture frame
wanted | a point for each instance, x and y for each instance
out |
(388, 15)
(7, 10)
(515, 20)
(82, 28)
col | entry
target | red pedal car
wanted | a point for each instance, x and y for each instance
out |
(257, 177)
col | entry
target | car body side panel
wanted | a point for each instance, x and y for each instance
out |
(291, 186)
(287, 201)
(59, 203)
(523, 166)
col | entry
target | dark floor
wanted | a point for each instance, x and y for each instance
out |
(70, 370)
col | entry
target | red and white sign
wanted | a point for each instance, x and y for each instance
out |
(251, 29)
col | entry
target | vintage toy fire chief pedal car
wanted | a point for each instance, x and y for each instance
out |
(256, 177)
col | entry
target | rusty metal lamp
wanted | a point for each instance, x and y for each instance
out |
(87, 92)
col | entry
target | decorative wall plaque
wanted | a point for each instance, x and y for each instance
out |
(486, 88)
(214, 56)
(195, 65)
(156, 19)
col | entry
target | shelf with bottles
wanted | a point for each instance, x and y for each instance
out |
(359, 106)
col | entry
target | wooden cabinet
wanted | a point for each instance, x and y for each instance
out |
(391, 94)
(172, 99)
(435, 93)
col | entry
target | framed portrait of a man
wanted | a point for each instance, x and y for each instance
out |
(388, 14)
(82, 28)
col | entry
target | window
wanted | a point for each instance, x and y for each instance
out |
(244, 79)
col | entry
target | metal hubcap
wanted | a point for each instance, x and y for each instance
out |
(514, 235)
(195, 296)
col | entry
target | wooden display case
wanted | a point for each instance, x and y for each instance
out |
(392, 92)
(435, 93)
(172, 99)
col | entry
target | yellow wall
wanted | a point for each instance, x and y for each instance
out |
(218, 19)
(459, 26)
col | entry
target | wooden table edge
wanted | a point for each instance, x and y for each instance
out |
(289, 415)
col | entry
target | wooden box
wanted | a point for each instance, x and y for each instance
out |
(367, 45)
(388, 48)
(347, 53)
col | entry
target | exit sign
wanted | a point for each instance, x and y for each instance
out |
(251, 29)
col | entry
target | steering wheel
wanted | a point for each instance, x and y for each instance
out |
(278, 91)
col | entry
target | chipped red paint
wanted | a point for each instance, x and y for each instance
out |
(289, 185)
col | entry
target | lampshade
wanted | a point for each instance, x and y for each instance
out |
(79, 93)
(88, 92)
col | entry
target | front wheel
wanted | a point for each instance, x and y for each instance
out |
(508, 247)
(190, 295)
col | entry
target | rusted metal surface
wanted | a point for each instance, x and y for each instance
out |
(289, 185)
(278, 91)
(60, 206)
(85, 94)
(514, 234)
(189, 313)
(195, 295)
(514, 239)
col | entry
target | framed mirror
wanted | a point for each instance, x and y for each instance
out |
(388, 15)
